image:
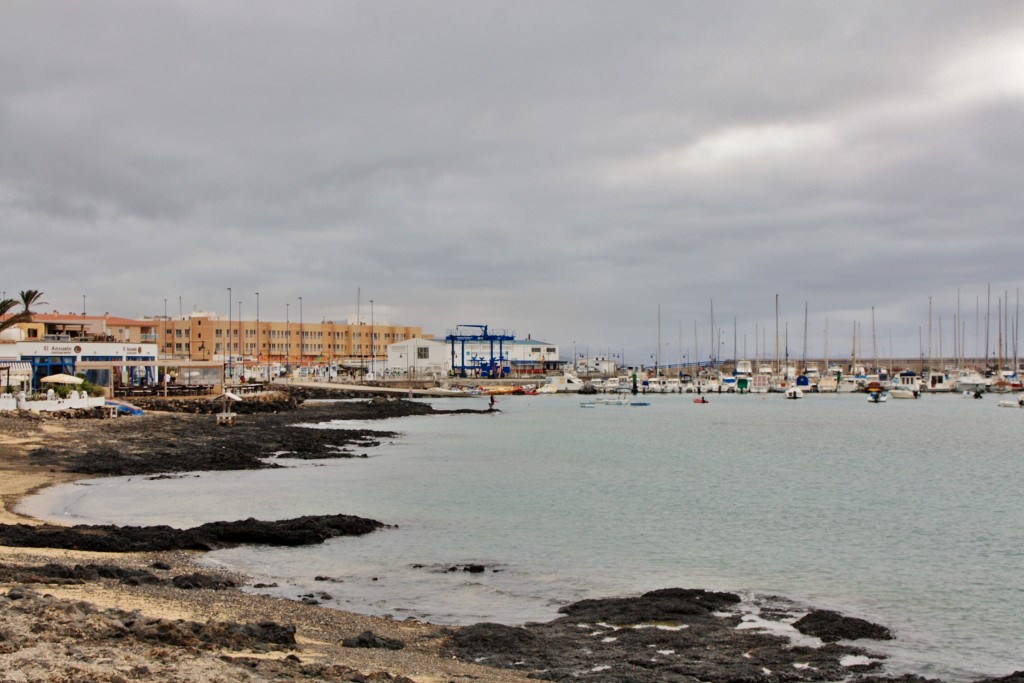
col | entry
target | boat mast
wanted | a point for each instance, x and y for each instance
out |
(930, 333)
(1006, 318)
(874, 341)
(988, 321)
(826, 344)
(853, 351)
(735, 350)
(804, 360)
(657, 352)
(957, 338)
(892, 359)
(696, 350)
(714, 346)
(999, 366)
(1016, 332)
(776, 333)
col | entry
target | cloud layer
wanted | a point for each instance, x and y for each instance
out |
(559, 169)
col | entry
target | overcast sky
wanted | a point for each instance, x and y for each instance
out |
(556, 169)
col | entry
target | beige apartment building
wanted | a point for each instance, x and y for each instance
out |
(203, 336)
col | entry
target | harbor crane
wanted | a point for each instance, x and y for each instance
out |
(488, 366)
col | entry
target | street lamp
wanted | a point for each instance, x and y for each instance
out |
(258, 370)
(302, 335)
(229, 331)
(372, 350)
(83, 304)
(241, 344)
(288, 340)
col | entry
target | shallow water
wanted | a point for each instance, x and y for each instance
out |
(907, 513)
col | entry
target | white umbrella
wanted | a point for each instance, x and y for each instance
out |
(61, 378)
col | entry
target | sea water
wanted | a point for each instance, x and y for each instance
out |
(907, 513)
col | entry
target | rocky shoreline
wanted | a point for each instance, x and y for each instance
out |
(71, 610)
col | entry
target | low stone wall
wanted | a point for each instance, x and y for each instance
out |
(10, 402)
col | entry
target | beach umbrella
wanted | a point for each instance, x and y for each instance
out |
(61, 378)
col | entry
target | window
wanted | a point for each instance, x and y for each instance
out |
(423, 352)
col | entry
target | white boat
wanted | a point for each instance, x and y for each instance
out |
(1007, 403)
(908, 380)
(612, 385)
(903, 392)
(761, 383)
(937, 381)
(848, 385)
(970, 380)
(878, 397)
(794, 392)
(613, 401)
(657, 385)
(567, 383)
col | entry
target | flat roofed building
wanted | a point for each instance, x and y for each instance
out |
(206, 336)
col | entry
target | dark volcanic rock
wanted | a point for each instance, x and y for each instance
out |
(669, 635)
(164, 442)
(833, 626)
(109, 538)
(670, 604)
(370, 639)
(1015, 677)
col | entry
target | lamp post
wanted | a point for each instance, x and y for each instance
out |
(302, 335)
(163, 340)
(372, 350)
(229, 332)
(83, 304)
(259, 372)
(241, 344)
(288, 340)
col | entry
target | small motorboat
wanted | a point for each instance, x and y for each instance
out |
(878, 397)
(701, 399)
(794, 392)
(1007, 403)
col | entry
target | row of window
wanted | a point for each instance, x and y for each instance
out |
(282, 334)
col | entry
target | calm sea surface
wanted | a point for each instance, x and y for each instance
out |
(908, 513)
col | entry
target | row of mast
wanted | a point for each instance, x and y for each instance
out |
(959, 338)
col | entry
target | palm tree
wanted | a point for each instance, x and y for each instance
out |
(11, 320)
(30, 298)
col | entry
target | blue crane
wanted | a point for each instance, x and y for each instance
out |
(490, 366)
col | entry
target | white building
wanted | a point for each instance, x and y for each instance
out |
(599, 365)
(418, 359)
(50, 357)
(424, 358)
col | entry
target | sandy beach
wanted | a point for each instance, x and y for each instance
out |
(56, 630)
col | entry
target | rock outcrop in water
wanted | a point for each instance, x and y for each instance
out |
(117, 539)
(832, 627)
(667, 635)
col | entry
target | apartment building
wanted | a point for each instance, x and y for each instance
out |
(205, 336)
